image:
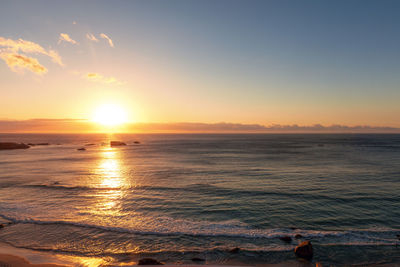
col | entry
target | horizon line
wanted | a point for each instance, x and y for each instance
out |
(64, 126)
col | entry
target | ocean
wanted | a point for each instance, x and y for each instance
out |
(175, 197)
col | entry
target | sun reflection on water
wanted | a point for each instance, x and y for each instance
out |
(112, 179)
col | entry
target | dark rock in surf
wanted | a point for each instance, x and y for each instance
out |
(304, 250)
(197, 259)
(297, 236)
(149, 261)
(81, 149)
(136, 142)
(1, 226)
(286, 239)
(90, 144)
(117, 143)
(11, 145)
(234, 250)
(42, 144)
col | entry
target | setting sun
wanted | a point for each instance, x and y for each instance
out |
(110, 115)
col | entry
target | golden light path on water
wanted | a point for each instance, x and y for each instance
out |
(109, 175)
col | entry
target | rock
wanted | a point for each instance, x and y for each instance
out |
(117, 143)
(90, 144)
(149, 261)
(234, 250)
(30, 144)
(297, 236)
(286, 238)
(304, 250)
(136, 142)
(42, 144)
(11, 145)
(1, 226)
(398, 236)
(81, 149)
(197, 259)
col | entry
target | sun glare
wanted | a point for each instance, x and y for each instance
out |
(110, 115)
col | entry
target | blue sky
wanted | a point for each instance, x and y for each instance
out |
(267, 62)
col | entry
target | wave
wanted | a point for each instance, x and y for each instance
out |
(207, 189)
(166, 226)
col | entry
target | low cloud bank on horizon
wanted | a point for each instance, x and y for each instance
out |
(85, 126)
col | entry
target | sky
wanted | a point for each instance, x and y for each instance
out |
(243, 62)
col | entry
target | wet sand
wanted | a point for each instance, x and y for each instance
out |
(15, 261)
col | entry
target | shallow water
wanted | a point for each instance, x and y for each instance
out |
(175, 197)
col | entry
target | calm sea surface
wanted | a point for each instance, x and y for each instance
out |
(175, 197)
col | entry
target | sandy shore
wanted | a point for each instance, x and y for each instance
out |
(15, 261)
(18, 257)
(8, 260)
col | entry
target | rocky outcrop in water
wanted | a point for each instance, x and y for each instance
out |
(11, 145)
(117, 143)
(297, 236)
(304, 250)
(234, 250)
(149, 261)
(81, 149)
(197, 259)
(286, 238)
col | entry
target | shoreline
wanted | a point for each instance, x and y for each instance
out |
(21, 257)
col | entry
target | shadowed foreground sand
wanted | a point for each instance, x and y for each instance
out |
(8, 260)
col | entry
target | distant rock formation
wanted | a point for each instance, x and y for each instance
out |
(38, 144)
(304, 250)
(11, 145)
(117, 143)
(149, 261)
(81, 149)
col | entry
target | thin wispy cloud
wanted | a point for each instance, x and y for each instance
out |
(64, 37)
(11, 52)
(96, 77)
(110, 42)
(91, 37)
(16, 62)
